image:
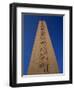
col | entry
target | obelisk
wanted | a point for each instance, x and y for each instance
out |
(43, 59)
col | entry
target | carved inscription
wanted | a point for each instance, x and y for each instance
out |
(43, 50)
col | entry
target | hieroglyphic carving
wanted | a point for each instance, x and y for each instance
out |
(43, 50)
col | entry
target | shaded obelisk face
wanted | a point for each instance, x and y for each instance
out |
(43, 59)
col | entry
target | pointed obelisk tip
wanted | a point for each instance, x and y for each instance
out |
(42, 25)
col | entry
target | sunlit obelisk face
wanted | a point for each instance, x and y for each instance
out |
(43, 59)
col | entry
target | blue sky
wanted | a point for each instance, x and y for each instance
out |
(29, 27)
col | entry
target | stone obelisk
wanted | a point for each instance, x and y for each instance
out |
(43, 59)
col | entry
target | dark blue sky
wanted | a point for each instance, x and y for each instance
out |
(55, 28)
